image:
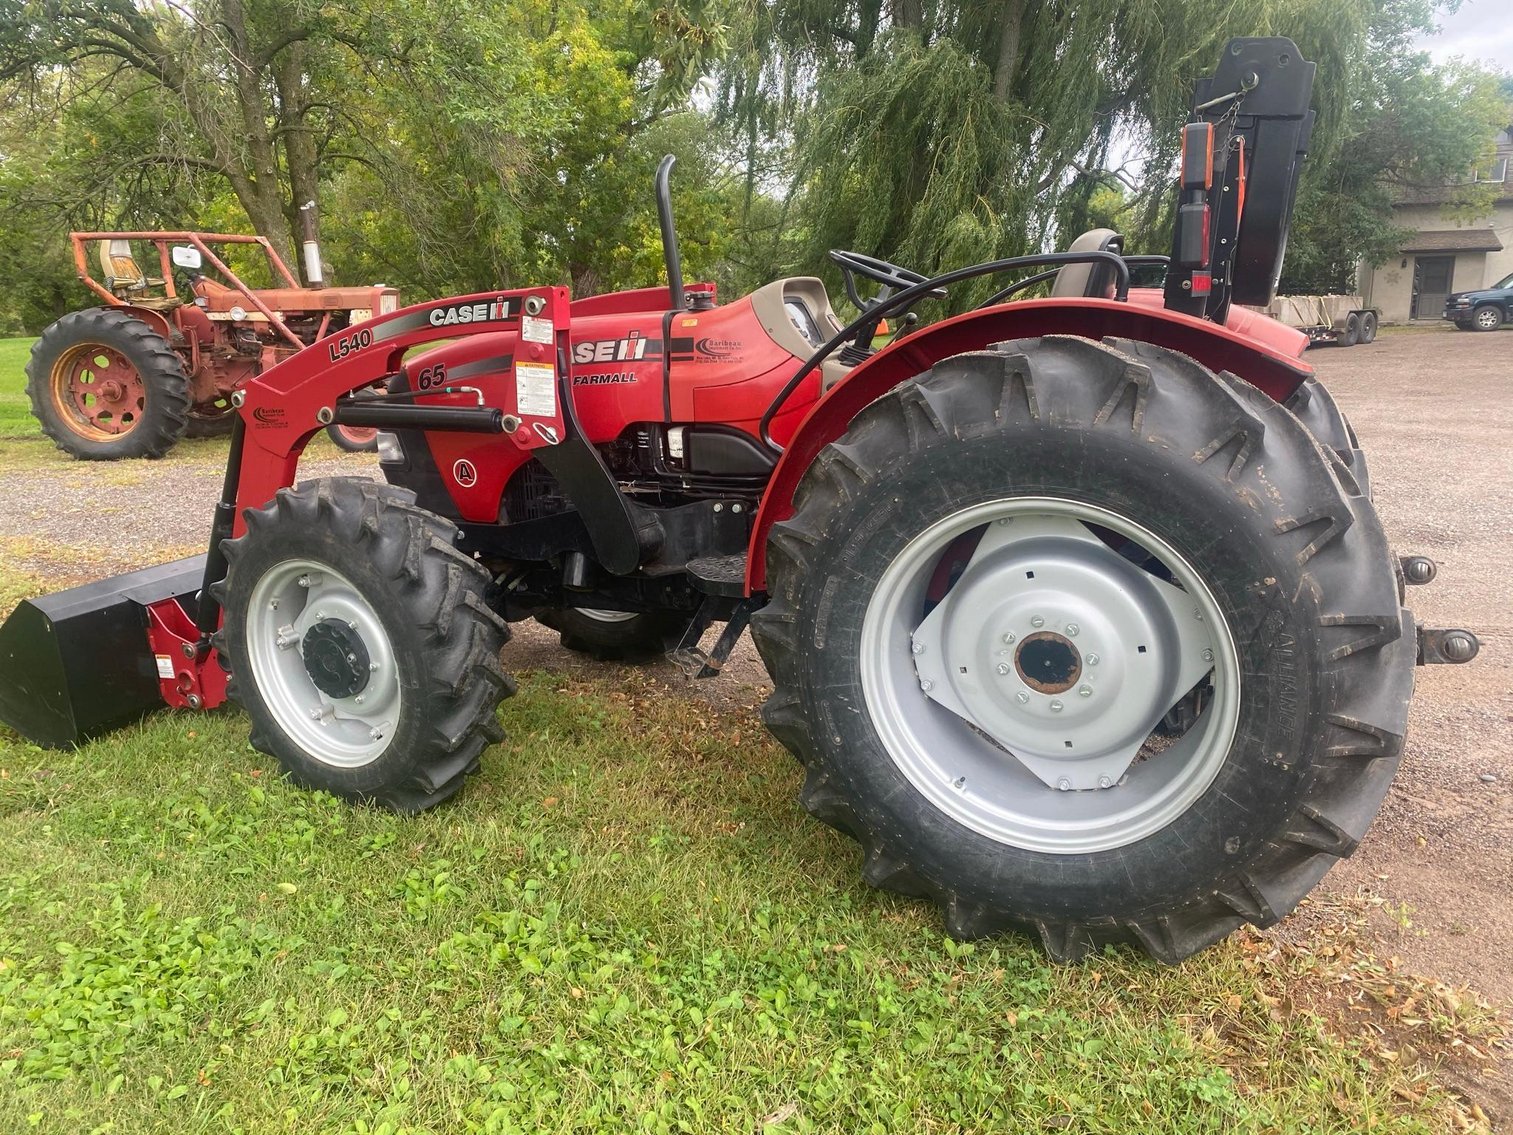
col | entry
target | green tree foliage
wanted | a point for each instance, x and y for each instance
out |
(1409, 126)
(456, 146)
(937, 134)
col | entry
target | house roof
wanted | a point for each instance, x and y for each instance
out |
(1454, 240)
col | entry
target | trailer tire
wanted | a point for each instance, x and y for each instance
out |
(1368, 327)
(1321, 415)
(615, 636)
(105, 386)
(392, 692)
(1281, 549)
(1352, 333)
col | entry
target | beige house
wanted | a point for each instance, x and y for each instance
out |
(1445, 255)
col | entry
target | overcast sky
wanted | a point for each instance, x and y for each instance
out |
(1482, 29)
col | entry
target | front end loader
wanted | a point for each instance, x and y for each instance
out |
(1077, 610)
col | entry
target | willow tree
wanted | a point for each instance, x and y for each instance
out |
(937, 133)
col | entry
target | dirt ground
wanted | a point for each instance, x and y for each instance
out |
(1434, 410)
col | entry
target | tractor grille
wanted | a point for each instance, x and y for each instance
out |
(533, 493)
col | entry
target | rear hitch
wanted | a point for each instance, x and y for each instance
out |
(1438, 647)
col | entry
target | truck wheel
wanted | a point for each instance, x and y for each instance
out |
(614, 636)
(1368, 327)
(1487, 317)
(1011, 576)
(1352, 333)
(1316, 408)
(104, 386)
(360, 644)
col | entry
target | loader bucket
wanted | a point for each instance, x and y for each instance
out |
(77, 663)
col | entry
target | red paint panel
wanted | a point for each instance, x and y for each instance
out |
(1258, 356)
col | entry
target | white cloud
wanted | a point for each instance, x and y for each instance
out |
(1482, 29)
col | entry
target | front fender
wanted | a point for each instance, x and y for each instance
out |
(1258, 349)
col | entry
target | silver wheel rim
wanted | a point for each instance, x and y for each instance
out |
(345, 732)
(1488, 317)
(966, 711)
(600, 615)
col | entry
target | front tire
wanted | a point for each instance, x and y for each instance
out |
(360, 644)
(105, 386)
(1116, 500)
(1487, 317)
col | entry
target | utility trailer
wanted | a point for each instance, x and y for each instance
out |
(1342, 320)
(1077, 610)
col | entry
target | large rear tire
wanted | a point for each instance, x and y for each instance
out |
(1316, 408)
(360, 643)
(1016, 577)
(105, 386)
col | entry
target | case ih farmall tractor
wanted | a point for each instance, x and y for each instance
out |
(158, 363)
(1077, 611)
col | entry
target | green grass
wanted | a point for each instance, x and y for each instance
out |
(15, 411)
(624, 924)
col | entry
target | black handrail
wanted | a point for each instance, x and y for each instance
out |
(902, 299)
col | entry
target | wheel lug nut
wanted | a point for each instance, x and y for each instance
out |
(1105, 782)
(1010, 639)
(1056, 706)
(372, 667)
(1022, 698)
(1037, 621)
(1085, 691)
(1064, 784)
(1073, 630)
(926, 685)
(1002, 668)
(1092, 660)
(916, 648)
(1208, 655)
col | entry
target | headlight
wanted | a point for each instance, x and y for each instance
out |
(389, 449)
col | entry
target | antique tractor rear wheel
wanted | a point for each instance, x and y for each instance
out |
(1083, 638)
(106, 386)
(360, 644)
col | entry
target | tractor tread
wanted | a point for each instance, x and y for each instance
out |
(1365, 673)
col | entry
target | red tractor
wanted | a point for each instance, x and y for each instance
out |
(157, 363)
(1077, 610)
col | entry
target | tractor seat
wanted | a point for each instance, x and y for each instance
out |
(123, 277)
(1094, 281)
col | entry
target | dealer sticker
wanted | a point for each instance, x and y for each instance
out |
(534, 330)
(535, 390)
(165, 665)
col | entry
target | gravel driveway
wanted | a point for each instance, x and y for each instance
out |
(1435, 413)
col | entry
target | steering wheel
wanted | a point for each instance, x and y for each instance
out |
(890, 276)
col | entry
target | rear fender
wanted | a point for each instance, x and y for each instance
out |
(154, 319)
(284, 407)
(1266, 355)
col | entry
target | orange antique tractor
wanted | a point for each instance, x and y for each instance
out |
(1077, 610)
(159, 362)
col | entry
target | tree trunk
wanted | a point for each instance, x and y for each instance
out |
(1010, 36)
(301, 156)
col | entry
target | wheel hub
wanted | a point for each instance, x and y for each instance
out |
(98, 390)
(1048, 663)
(1022, 700)
(335, 658)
